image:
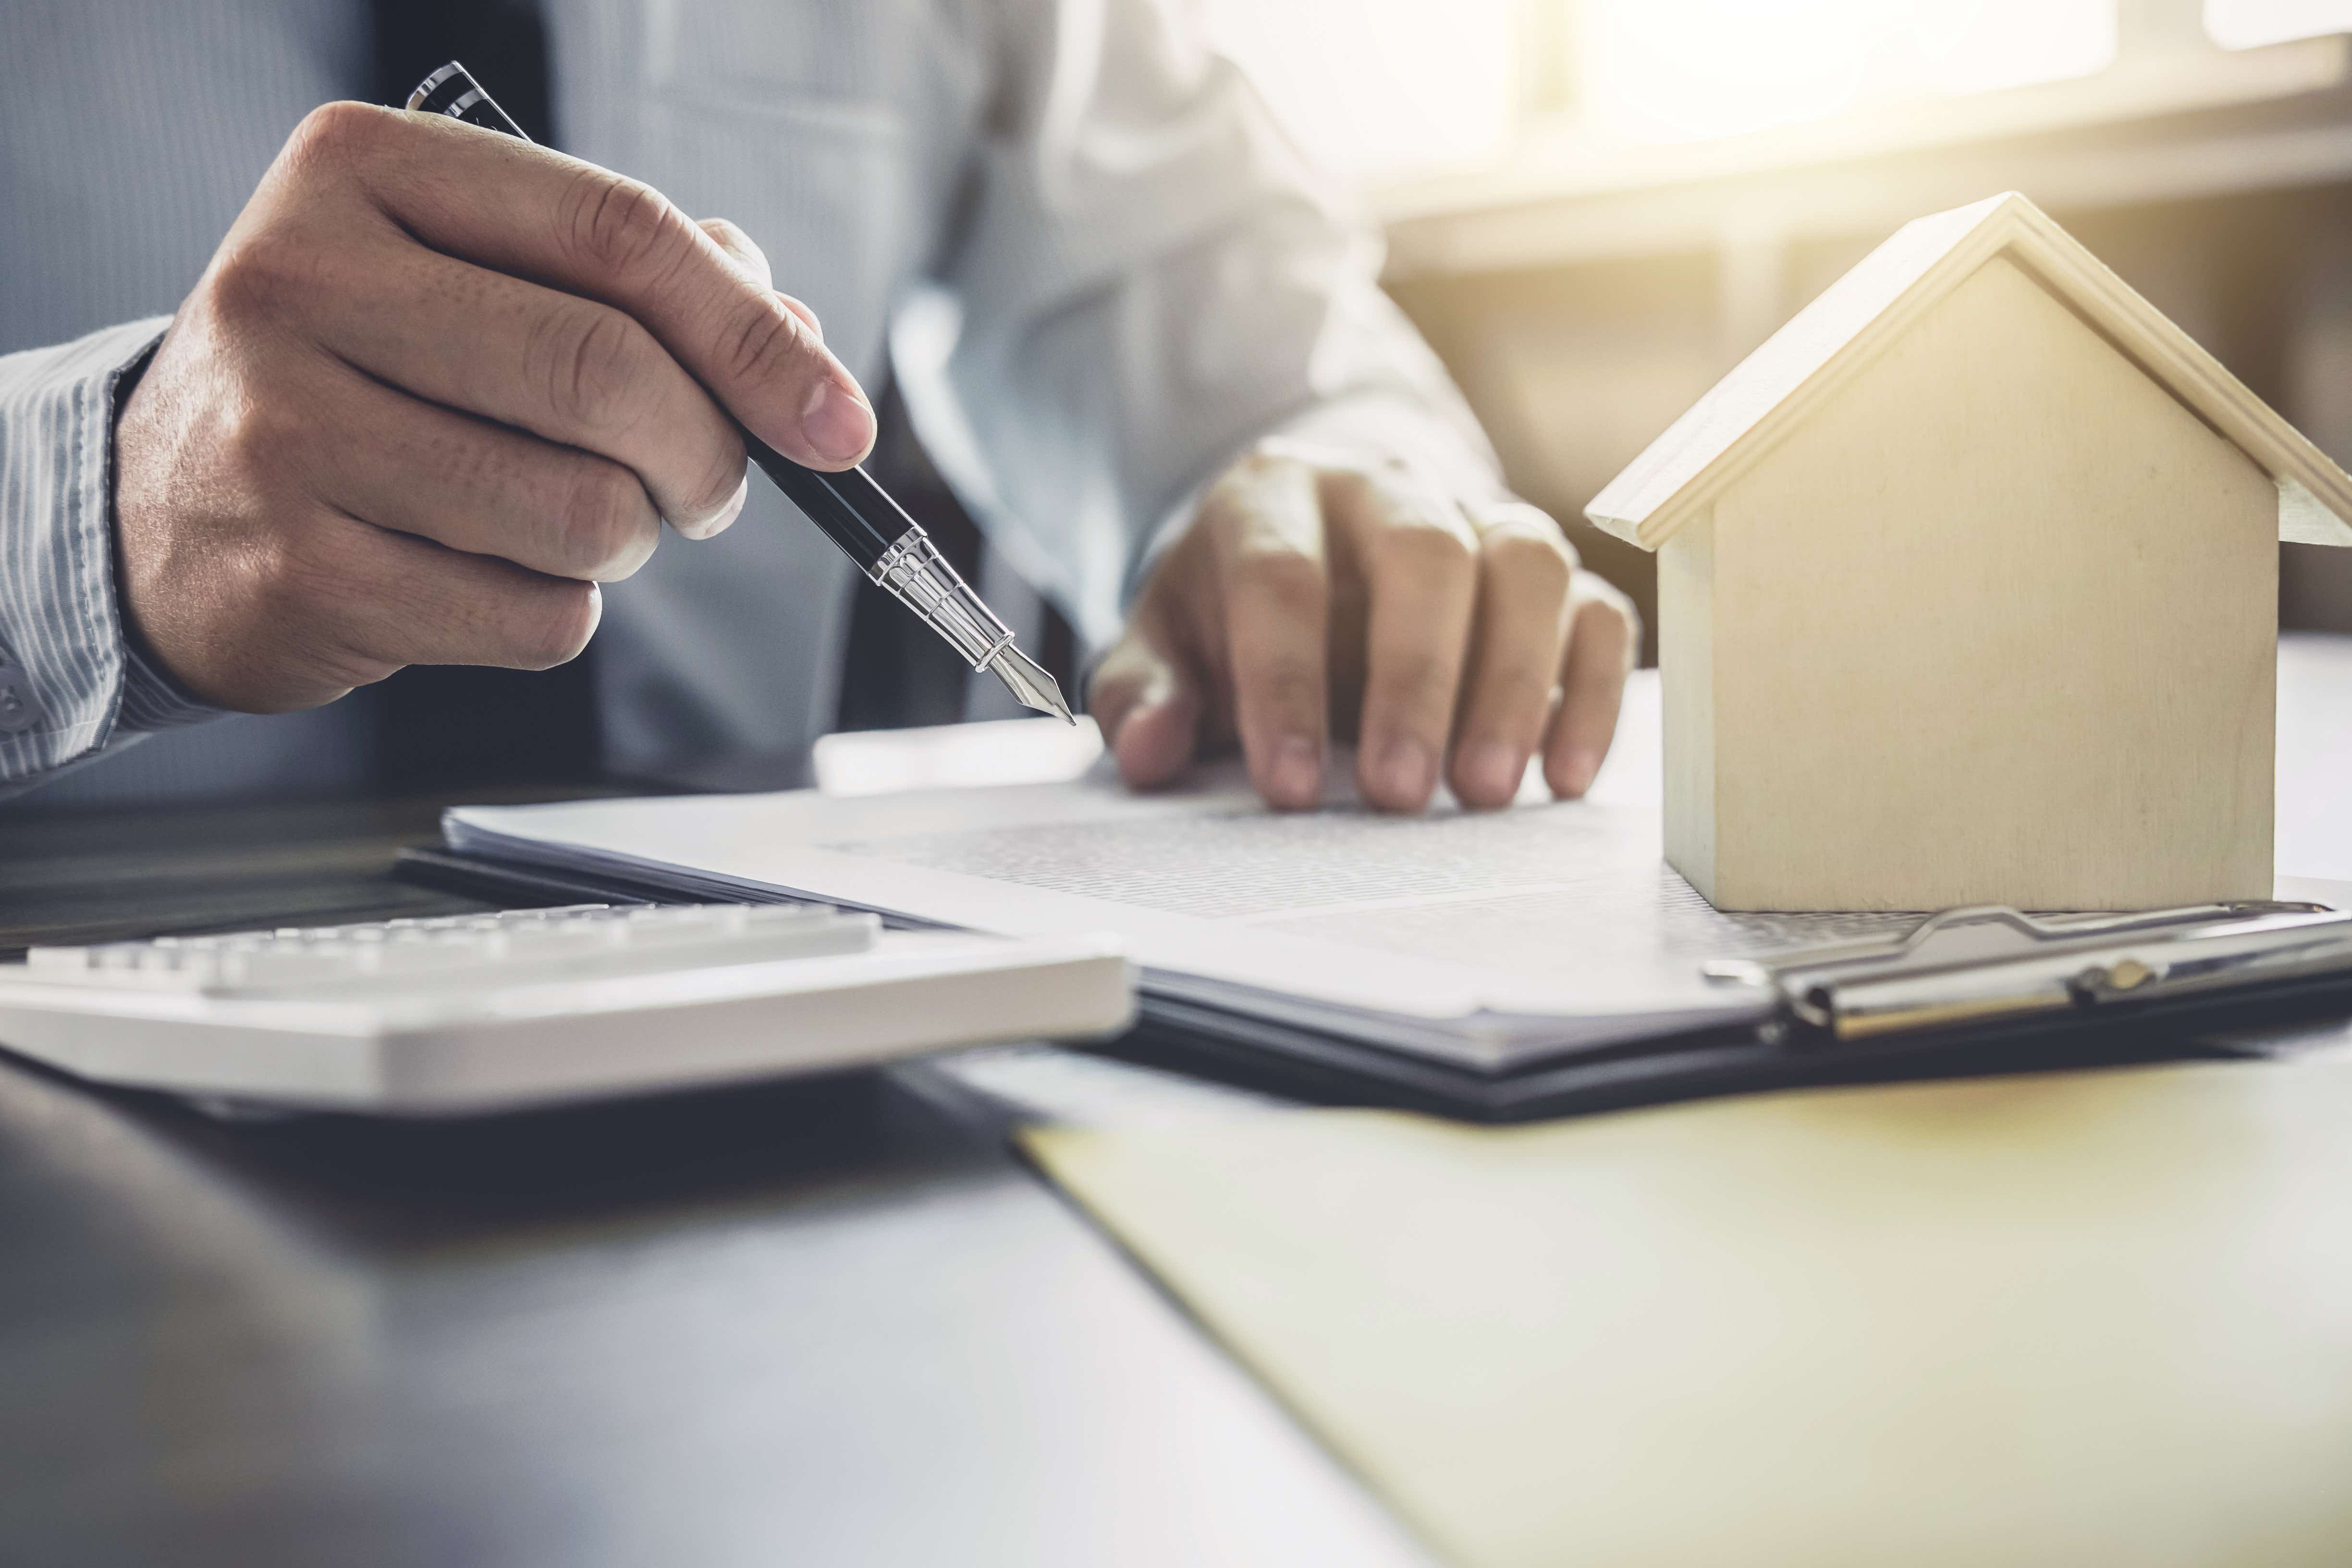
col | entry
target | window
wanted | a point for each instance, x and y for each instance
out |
(1380, 88)
(1687, 71)
(2250, 23)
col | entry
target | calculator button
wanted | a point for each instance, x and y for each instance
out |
(468, 953)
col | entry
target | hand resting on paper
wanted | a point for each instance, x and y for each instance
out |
(433, 388)
(1309, 598)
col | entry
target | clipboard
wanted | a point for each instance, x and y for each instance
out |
(1968, 992)
(1965, 992)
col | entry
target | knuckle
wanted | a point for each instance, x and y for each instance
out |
(1244, 489)
(587, 361)
(723, 477)
(1607, 617)
(1266, 460)
(617, 227)
(1614, 597)
(555, 626)
(241, 289)
(743, 252)
(259, 277)
(801, 311)
(333, 135)
(604, 528)
(1421, 546)
(1525, 557)
(764, 340)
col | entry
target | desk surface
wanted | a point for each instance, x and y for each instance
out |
(822, 1323)
(826, 1323)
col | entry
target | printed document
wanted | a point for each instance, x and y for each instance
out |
(1484, 938)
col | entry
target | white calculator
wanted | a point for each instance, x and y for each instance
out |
(476, 1013)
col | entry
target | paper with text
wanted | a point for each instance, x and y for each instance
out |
(1482, 936)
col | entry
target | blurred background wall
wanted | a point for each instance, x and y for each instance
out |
(1596, 207)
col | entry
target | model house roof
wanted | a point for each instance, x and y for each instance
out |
(1825, 344)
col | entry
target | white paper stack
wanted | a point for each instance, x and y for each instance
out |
(1484, 940)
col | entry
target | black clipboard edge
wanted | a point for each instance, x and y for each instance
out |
(1187, 1036)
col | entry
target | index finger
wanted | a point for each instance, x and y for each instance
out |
(537, 214)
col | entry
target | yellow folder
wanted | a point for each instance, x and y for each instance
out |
(2095, 1318)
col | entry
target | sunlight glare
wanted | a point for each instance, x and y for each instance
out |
(1373, 88)
(1978, 46)
(1687, 70)
(2251, 23)
(956, 756)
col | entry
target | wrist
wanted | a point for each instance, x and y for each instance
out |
(152, 697)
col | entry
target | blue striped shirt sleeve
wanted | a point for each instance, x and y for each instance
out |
(70, 688)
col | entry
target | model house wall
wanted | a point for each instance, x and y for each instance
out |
(1962, 601)
(1939, 677)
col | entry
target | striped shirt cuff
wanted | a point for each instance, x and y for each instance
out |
(153, 700)
(62, 655)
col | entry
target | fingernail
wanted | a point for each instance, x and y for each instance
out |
(1295, 775)
(836, 422)
(1491, 770)
(1583, 765)
(1407, 772)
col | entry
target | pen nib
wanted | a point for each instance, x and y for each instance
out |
(1030, 685)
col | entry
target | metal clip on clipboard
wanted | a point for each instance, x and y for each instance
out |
(1990, 967)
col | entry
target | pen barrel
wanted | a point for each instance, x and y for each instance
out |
(847, 508)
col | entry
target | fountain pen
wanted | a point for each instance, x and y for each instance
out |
(847, 508)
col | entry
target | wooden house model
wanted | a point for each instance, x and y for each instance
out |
(1967, 592)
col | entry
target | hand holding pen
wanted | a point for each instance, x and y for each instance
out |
(437, 384)
(433, 388)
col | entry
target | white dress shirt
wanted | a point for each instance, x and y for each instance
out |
(1099, 269)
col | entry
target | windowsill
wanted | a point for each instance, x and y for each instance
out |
(1562, 196)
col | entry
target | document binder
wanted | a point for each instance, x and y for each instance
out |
(1987, 967)
(1969, 991)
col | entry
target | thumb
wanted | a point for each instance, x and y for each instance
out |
(1148, 703)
